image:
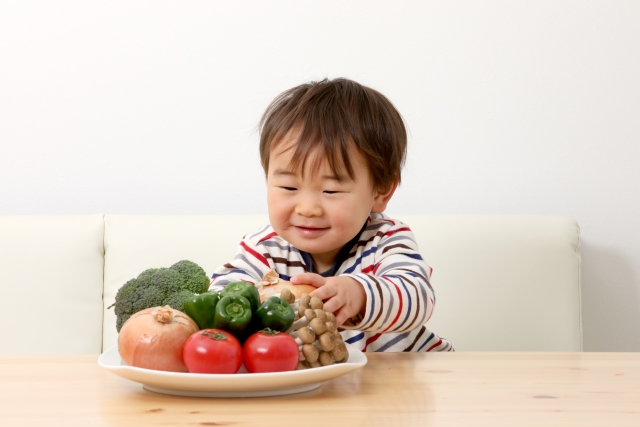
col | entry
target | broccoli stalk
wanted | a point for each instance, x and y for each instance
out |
(158, 287)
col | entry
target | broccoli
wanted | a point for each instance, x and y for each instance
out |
(160, 286)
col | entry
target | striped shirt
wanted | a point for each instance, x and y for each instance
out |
(383, 257)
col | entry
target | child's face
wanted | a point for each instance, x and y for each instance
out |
(316, 211)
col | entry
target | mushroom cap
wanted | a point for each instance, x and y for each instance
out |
(310, 314)
(320, 313)
(310, 352)
(305, 300)
(331, 318)
(331, 327)
(316, 303)
(303, 364)
(306, 335)
(325, 358)
(327, 341)
(340, 352)
(287, 295)
(318, 326)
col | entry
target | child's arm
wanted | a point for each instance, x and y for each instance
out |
(395, 282)
(249, 265)
(399, 295)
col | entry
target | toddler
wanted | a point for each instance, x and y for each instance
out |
(332, 152)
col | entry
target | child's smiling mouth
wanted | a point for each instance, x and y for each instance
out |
(310, 231)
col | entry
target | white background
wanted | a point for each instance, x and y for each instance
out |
(513, 107)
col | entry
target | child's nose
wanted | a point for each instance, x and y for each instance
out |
(308, 206)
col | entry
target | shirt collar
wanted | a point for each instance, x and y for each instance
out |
(342, 256)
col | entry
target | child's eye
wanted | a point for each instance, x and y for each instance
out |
(289, 188)
(331, 192)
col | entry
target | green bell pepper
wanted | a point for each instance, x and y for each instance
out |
(202, 308)
(233, 314)
(275, 313)
(243, 289)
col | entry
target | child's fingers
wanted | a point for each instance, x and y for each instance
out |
(326, 294)
(308, 279)
(341, 316)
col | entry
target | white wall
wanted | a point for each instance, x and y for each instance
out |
(151, 107)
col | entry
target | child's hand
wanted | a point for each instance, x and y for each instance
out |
(342, 295)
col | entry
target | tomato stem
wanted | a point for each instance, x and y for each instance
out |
(218, 336)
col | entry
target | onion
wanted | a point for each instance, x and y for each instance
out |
(267, 290)
(154, 338)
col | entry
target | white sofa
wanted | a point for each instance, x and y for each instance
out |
(502, 282)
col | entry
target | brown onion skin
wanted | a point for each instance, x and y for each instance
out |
(147, 343)
(296, 290)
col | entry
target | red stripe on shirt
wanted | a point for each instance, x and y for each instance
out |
(268, 236)
(258, 256)
(370, 340)
(435, 345)
(392, 232)
(368, 269)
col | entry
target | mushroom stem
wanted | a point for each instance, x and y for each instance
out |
(301, 322)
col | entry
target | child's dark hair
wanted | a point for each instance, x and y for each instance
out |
(334, 114)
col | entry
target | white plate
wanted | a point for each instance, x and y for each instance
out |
(231, 385)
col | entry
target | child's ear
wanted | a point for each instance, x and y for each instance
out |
(381, 198)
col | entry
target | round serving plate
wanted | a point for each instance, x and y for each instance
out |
(242, 384)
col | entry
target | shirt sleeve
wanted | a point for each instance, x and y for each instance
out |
(399, 295)
(249, 265)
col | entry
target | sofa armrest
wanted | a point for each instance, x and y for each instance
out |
(51, 284)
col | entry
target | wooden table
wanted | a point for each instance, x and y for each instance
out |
(459, 389)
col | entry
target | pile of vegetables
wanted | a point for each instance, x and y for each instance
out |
(210, 332)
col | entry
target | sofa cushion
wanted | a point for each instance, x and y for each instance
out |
(51, 284)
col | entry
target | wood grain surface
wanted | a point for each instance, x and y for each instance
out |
(452, 389)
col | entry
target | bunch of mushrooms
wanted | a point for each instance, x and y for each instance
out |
(314, 329)
(315, 332)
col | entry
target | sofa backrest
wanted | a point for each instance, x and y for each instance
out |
(501, 282)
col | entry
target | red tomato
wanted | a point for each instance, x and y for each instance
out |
(212, 351)
(270, 352)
